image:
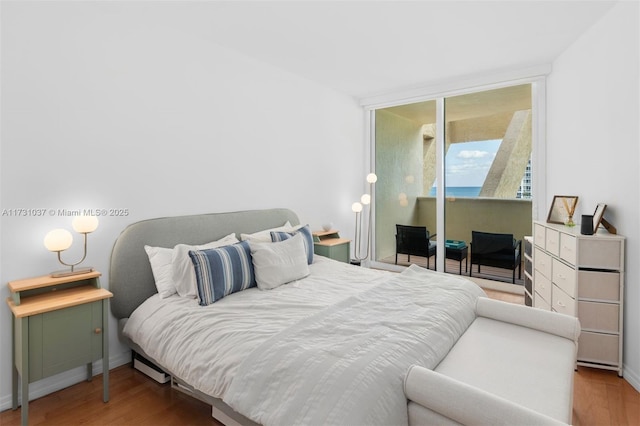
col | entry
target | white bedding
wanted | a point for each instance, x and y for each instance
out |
(329, 349)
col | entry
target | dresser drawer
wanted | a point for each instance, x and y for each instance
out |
(543, 287)
(552, 242)
(539, 235)
(599, 348)
(528, 265)
(568, 248)
(564, 277)
(542, 263)
(540, 302)
(563, 303)
(599, 316)
(600, 254)
(527, 246)
(599, 285)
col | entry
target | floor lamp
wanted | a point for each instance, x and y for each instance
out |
(358, 208)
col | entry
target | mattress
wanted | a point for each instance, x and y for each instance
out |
(331, 348)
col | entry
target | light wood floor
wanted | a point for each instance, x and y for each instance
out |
(600, 398)
(134, 400)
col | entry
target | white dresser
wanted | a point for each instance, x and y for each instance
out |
(583, 276)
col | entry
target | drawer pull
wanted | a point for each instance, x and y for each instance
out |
(97, 330)
(561, 304)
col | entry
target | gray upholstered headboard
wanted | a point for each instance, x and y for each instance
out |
(130, 277)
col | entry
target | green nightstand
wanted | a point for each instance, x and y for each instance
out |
(57, 324)
(329, 244)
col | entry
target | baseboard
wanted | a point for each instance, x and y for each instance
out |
(63, 380)
(631, 376)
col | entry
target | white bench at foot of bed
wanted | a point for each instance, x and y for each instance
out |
(513, 365)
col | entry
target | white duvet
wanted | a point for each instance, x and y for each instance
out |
(332, 348)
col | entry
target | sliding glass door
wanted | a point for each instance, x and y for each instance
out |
(405, 162)
(485, 153)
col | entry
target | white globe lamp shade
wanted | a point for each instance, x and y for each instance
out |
(85, 224)
(372, 178)
(365, 199)
(58, 240)
(356, 207)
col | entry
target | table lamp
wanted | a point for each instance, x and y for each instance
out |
(59, 240)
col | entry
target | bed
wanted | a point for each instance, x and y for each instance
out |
(338, 344)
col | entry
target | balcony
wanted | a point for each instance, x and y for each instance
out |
(463, 215)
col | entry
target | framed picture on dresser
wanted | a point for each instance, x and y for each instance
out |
(562, 209)
(597, 216)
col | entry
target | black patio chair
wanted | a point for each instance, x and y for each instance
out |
(497, 250)
(414, 241)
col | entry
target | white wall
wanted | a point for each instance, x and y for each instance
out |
(592, 144)
(132, 105)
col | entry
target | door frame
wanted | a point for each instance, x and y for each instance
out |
(535, 76)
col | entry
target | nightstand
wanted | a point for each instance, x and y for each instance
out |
(329, 244)
(57, 324)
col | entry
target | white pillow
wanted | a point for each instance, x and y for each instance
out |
(160, 260)
(265, 235)
(279, 263)
(184, 276)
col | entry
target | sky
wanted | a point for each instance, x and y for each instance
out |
(467, 164)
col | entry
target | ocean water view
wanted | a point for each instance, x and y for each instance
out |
(458, 191)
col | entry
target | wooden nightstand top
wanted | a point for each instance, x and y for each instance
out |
(330, 233)
(26, 302)
(48, 281)
(328, 238)
(54, 300)
(333, 241)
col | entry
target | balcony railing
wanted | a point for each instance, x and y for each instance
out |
(462, 215)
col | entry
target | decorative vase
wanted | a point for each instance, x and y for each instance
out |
(569, 221)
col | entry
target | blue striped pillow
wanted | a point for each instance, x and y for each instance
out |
(222, 271)
(307, 239)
